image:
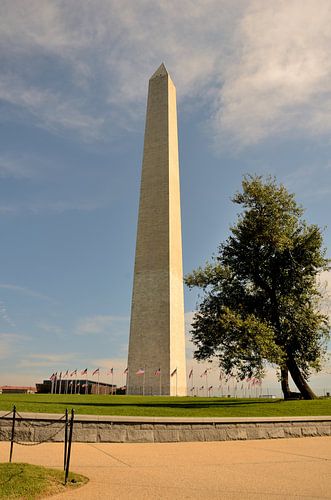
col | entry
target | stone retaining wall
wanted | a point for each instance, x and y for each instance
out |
(94, 429)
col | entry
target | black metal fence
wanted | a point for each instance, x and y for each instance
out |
(67, 428)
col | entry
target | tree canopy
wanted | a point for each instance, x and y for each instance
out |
(261, 299)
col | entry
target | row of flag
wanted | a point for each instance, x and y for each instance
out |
(82, 372)
(141, 371)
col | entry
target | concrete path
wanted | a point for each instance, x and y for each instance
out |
(264, 469)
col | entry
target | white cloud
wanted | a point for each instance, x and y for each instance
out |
(100, 324)
(56, 206)
(102, 55)
(26, 291)
(264, 67)
(280, 80)
(47, 360)
(8, 341)
(50, 328)
(4, 314)
(54, 111)
(11, 167)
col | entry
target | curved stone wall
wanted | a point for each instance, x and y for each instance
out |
(47, 427)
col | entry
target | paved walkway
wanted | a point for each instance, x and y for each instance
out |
(264, 469)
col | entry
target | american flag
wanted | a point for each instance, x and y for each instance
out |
(173, 373)
(204, 373)
(126, 371)
(141, 371)
(84, 372)
(111, 371)
(66, 373)
(73, 373)
(96, 371)
(190, 374)
(157, 372)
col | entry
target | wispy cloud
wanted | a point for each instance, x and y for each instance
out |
(280, 79)
(103, 54)
(14, 167)
(26, 291)
(47, 360)
(51, 207)
(50, 328)
(119, 364)
(306, 179)
(8, 341)
(4, 314)
(262, 67)
(54, 111)
(100, 324)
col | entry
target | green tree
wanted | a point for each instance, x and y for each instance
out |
(261, 299)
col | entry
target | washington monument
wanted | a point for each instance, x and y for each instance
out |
(156, 363)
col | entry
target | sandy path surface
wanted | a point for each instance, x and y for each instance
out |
(275, 469)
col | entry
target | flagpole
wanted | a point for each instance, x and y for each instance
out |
(160, 382)
(176, 381)
(206, 381)
(144, 381)
(112, 382)
(98, 382)
(126, 379)
(86, 383)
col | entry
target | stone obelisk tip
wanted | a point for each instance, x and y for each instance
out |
(161, 71)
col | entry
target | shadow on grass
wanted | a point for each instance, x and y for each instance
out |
(184, 405)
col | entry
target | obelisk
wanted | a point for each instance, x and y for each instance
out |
(156, 362)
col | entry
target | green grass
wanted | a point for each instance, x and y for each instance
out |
(33, 481)
(163, 406)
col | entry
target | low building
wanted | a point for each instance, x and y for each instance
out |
(75, 386)
(16, 389)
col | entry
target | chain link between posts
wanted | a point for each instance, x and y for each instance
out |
(66, 428)
(49, 438)
(20, 418)
(6, 415)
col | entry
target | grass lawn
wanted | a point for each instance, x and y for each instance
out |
(32, 481)
(162, 406)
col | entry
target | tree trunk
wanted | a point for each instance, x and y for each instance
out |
(284, 383)
(298, 379)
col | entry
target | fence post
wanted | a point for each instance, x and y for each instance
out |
(65, 440)
(12, 434)
(69, 447)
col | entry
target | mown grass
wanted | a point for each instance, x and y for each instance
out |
(163, 406)
(33, 481)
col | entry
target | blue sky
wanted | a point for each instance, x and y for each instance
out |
(253, 82)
